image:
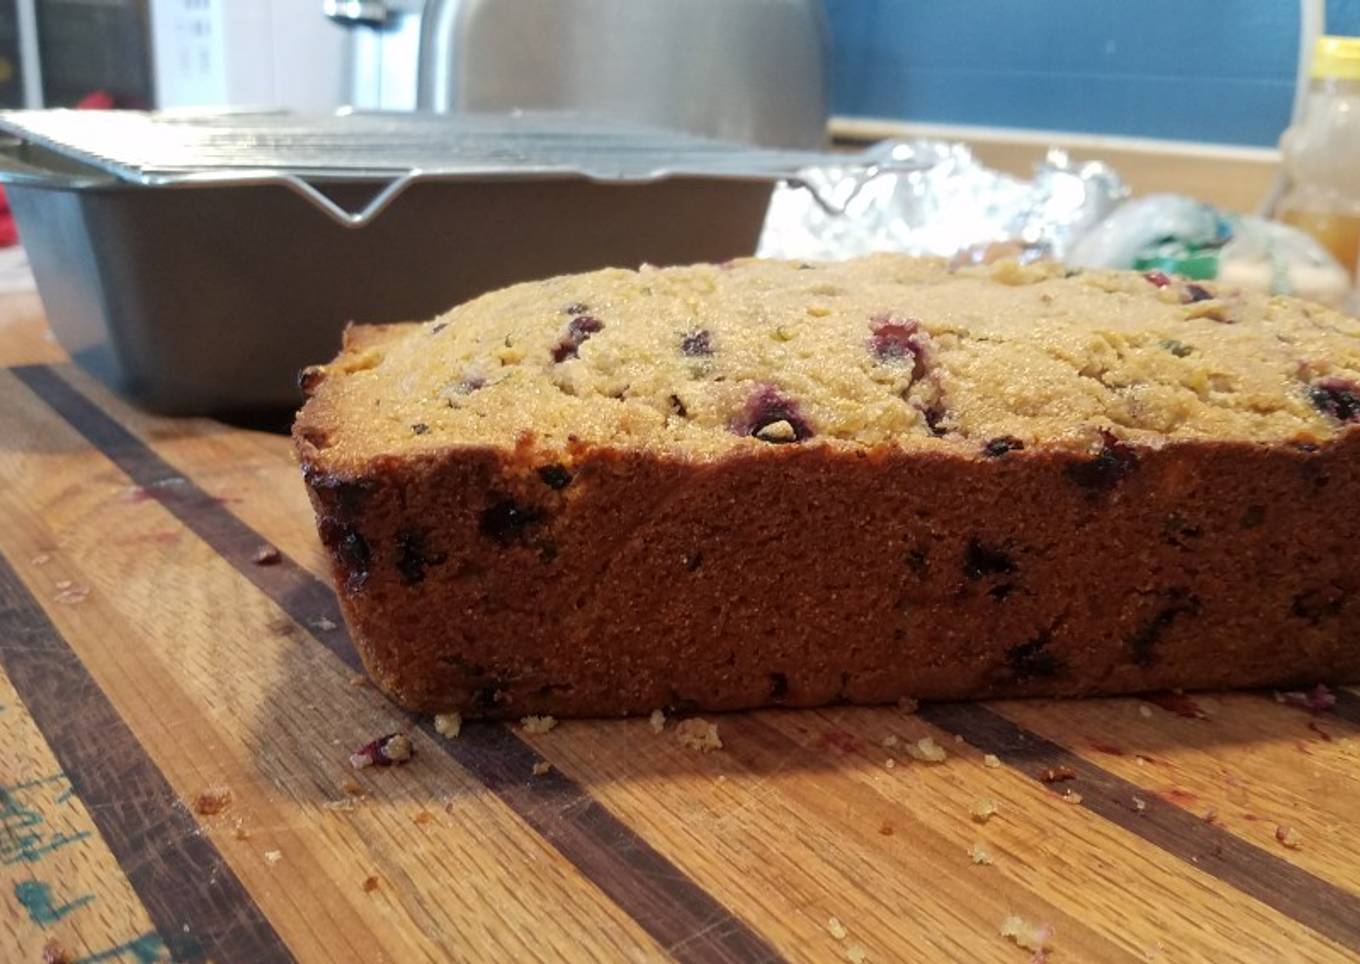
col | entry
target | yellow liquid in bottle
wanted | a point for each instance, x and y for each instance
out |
(1338, 233)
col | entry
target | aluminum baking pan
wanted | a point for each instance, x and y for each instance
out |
(196, 262)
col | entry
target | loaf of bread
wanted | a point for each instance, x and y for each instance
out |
(728, 486)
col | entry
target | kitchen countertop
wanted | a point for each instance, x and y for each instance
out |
(176, 719)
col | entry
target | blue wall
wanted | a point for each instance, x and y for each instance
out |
(1208, 70)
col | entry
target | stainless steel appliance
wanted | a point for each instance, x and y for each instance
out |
(383, 53)
(55, 52)
(752, 71)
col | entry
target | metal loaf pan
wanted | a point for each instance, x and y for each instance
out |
(196, 264)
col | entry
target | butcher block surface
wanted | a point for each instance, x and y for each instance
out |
(178, 705)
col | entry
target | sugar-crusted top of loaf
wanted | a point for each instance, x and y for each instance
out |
(705, 360)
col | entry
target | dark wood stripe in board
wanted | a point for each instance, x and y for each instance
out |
(199, 907)
(687, 921)
(575, 824)
(1316, 903)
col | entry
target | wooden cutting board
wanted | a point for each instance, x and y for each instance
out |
(176, 720)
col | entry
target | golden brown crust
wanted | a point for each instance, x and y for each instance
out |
(704, 361)
(358, 337)
(319, 420)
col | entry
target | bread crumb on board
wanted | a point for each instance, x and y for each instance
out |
(537, 724)
(390, 750)
(212, 801)
(371, 884)
(1288, 836)
(352, 787)
(1139, 804)
(991, 761)
(448, 724)
(856, 954)
(836, 929)
(979, 854)
(70, 594)
(1031, 937)
(1057, 774)
(698, 734)
(1319, 699)
(266, 555)
(889, 742)
(657, 721)
(273, 856)
(926, 750)
(983, 808)
(54, 953)
(541, 767)
(1071, 796)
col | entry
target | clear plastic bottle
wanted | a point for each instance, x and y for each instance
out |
(1321, 154)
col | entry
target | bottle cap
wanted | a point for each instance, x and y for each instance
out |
(1337, 57)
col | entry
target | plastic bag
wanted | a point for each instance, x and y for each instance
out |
(1178, 235)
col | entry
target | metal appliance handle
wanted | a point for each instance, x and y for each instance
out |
(357, 13)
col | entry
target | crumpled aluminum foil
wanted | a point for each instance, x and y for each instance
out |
(934, 197)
